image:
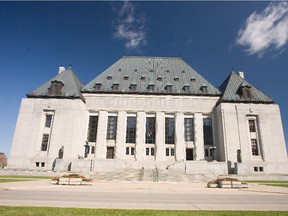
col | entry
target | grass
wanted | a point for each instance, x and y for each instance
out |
(46, 211)
(270, 183)
(12, 178)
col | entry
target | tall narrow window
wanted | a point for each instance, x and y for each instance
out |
(111, 128)
(252, 125)
(169, 130)
(189, 129)
(131, 130)
(254, 147)
(92, 128)
(44, 145)
(48, 121)
(150, 130)
(207, 131)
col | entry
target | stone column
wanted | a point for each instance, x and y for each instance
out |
(100, 148)
(160, 136)
(198, 138)
(179, 137)
(121, 135)
(140, 136)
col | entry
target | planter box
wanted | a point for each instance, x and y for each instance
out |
(213, 185)
(236, 184)
(63, 181)
(75, 181)
(225, 184)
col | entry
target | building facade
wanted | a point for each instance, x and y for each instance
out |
(149, 112)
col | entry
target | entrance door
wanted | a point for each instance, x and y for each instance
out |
(189, 154)
(110, 153)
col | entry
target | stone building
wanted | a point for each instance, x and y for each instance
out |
(149, 112)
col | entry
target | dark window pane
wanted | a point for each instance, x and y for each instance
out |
(92, 128)
(207, 131)
(45, 140)
(147, 151)
(132, 151)
(252, 126)
(127, 150)
(131, 130)
(172, 151)
(254, 147)
(152, 151)
(167, 151)
(111, 128)
(189, 129)
(150, 130)
(169, 130)
(48, 121)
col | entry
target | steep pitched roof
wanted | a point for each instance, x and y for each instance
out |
(167, 75)
(231, 91)
(71, 86)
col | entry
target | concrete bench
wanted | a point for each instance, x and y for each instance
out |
(75, 181)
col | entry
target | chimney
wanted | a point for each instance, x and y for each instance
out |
(241, 74)
(61, 69)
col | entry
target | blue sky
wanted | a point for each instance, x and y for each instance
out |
(213, 37)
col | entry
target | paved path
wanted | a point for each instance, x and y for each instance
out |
(144, 195)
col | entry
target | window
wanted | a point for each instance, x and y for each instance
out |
(169, 151)
(115, 86)
(252, 125)
(97, 86)
(56, 87)
(45, 140)
(150, 130)
(130, 150)
(186, 88)
(245, 92)
(131, 130)
(150, 151)
(254, 147)
(143, 78)
(109, 77)
(207, 131)
(48, 121)
(159, 78)
(92, 149)
(189, 129)
(169, 130)
(151, 87)
(111, 128)
(176, 79)
(126, 77)
(133, 87)
(204, 89)
(37, 164)
(92, 128)
(169, 88)
(42, 164)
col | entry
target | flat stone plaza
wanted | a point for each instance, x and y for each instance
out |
(128, 193)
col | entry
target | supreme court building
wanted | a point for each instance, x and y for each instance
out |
(149, 112)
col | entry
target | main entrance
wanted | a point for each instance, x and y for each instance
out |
(110, 153)
(189, 154)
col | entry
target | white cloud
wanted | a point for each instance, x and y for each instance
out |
(265, 30)
(129, 26)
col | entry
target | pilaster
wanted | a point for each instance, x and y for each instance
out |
(160, 136)
(179, 137)
(100, 149)
(121, 135)
(140, 136)
(199, 139)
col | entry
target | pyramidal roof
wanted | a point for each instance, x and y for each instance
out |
(151, 75)
(231, 89)
(70, 83)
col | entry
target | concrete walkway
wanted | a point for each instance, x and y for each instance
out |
(144, 195)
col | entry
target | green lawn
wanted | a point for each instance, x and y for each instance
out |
(270, 183)
(11, 210)
(12, 178)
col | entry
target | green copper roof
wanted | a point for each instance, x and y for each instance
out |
(231, 89)
(151, 75)
(71, 86)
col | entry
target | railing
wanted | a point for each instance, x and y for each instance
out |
(141, 174)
